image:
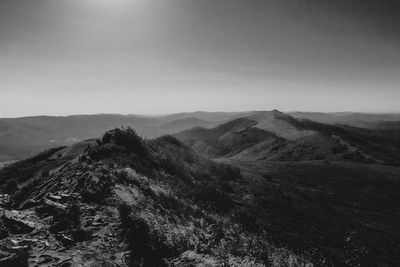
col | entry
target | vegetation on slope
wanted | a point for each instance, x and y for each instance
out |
(250, 138)
(176, 207)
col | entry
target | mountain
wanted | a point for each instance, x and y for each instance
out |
(178, 125)
(24, 137)
(122, 200)
(364, 120)
(279, 124)
(226, 139)
(207, 116)
(278, 136)
(128, 201)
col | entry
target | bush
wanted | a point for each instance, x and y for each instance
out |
(127, 138)
(96, 187)
(63, 220)
(148, 248)
(11, 187)
(213, 197)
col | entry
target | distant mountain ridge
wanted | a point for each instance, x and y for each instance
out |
(278, 136)
(26, 136)
(364, 120)
(23, 137)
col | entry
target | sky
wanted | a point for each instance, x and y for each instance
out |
(61, 57)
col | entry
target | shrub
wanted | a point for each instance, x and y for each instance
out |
(148, 247)
(70, 218)
(127, 138)
(213, 197)
(11, 187)
(96, 187)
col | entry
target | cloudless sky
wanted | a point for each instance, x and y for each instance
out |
(60, 57)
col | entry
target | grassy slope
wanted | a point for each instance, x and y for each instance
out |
(175, 205)
(192, 209)
(243, 139)
(226, 139)
(345, 213)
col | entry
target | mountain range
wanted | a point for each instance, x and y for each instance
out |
(278, 136)
(26, 136)
(262, 188)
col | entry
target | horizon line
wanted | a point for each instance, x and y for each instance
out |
(200, 111)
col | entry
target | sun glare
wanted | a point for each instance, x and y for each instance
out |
(112, 3)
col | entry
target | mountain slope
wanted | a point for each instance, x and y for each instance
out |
(363, 120)
(277, 123)
(346, 210)
(226, 139)
(24, 137)
(178, 125)
(371, 145)
(282, 137)
(133, 202)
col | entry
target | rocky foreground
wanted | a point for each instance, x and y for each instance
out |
(61, 231)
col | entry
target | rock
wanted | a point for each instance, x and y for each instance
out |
(3, 231)
(70, 197)
(19, 247)
(63, 216)
(97, 224)
(51, 208)
(80, 235)
(16, 256)
(66, 241)
(4, 199)
(17, 226)
(46, 259)
(29, 204)
(54, 197)
(65, 262)
(55, 205)
(8, 260)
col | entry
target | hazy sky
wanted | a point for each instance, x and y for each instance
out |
(61, 57)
